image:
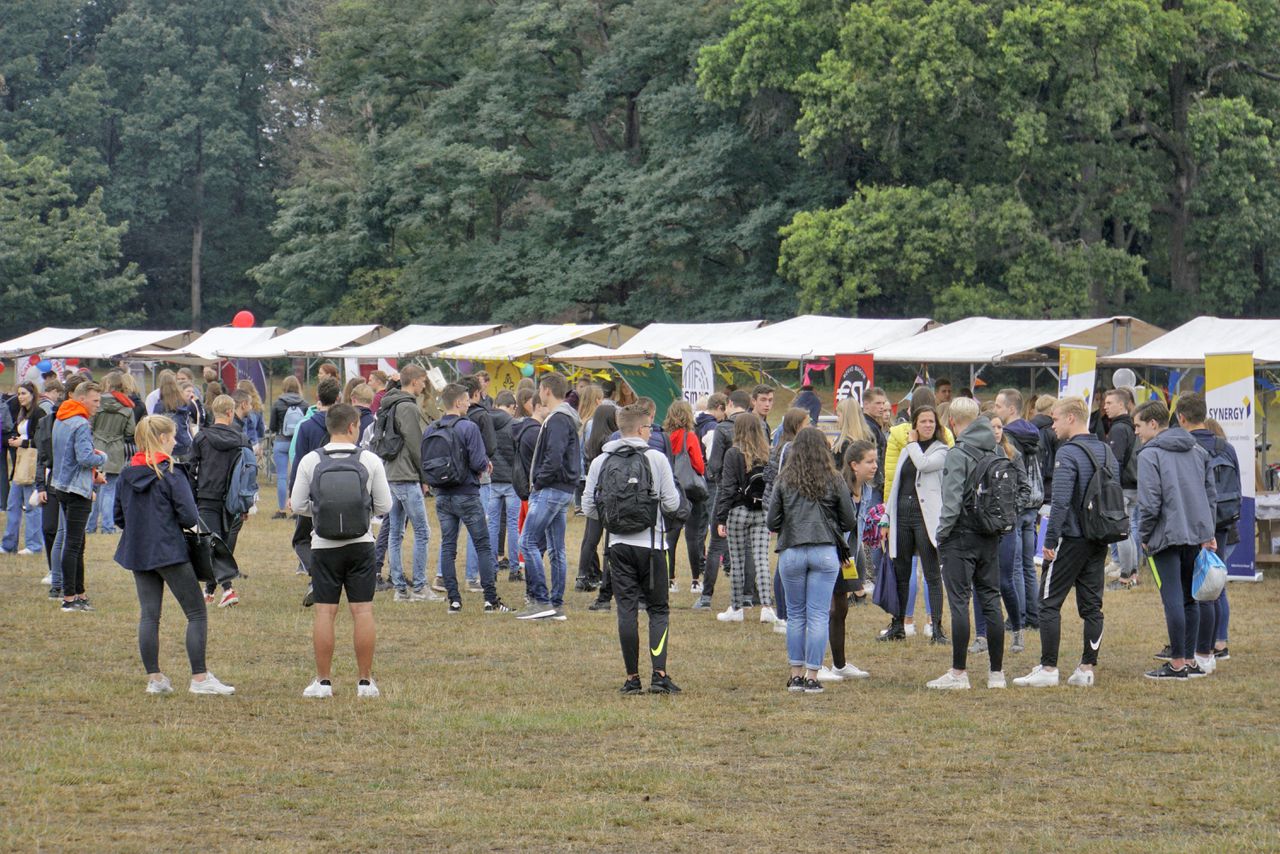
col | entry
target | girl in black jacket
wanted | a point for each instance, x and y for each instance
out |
(603, 422)
(809, 509)
(153, 505)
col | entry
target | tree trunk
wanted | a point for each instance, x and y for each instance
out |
(1090, 231)
(1182, 273)
(197, 233)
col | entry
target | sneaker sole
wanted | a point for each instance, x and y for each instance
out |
(542, 615)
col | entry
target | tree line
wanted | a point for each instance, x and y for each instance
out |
(519, 160)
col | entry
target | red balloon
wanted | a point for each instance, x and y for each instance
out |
(2, 367)
(243, 319)
(73, 362)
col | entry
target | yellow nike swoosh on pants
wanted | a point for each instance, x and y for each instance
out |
(662, 643)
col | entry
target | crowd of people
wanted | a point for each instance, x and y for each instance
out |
(948, 493)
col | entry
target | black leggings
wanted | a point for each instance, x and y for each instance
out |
(589, 552)
(694, 530)
(181, 579)
(49, 524)
(913, 539)
(835, 627)
(76, 508)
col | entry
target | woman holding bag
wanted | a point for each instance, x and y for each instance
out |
(153, 505)
(809, 509)
(684, 442)
(26, 413)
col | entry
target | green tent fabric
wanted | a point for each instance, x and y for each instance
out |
(651, 381)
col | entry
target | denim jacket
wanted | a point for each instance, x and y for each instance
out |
(74, 456)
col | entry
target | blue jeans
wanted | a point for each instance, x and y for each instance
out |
(1026, 532)
(473, 568)
(500, 493)
(455, 511)
(1128, 552)
(407, 501)
(544, 531)
(59, 545)
(104, 506)
(20, 509)
(914, 585)
(809, 576)
(280, 456)
(1011, 589)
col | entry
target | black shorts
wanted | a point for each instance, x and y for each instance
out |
(350, 566)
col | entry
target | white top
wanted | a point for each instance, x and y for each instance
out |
(300, 498)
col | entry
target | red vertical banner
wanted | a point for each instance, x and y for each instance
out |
(854, 375)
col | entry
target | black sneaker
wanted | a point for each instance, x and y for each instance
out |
(894, 632)
(382, 585)
(662, 684)
(1223, 654)
(632, 686)
(582, 585)
(795, 684)
(279, 514)
(504, 565)
(515, 575)
(1195, 671)
(83, 605)
(55, 592)
(69, 608)
(310, 598)
(497, 607)
(455, 607)
(812, 686)
(748, 602)
(1166, 671)
(600, 605)
(703, 603)
(1165, 654)
(939, 636)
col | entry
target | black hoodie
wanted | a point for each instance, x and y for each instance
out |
(504, 453)
(1048, 450)
(213, 453)
(1123, 442)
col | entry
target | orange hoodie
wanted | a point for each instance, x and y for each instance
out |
(70, 409)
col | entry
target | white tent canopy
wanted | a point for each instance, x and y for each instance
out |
(121, 342)
(812, 336)
(538, 339)
(41, 340)
(667, 340)
(204, 349)
(1190, 342)
(982, 340)
(415, 340)
(305, 341)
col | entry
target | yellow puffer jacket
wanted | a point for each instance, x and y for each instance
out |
(899, 434)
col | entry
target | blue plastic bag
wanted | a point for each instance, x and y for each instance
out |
(1209, 577)
(886, 592)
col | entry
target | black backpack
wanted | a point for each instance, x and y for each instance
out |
(992, 492)
(624, 494)
(1102, 515)
(444, 459)
(751, 493)
(387, 441)
(1226, 480)
(341, 502)
(519, 469)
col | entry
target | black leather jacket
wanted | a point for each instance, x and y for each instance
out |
(800, 521)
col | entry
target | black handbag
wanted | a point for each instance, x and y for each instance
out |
(200, 552)
(691, 483)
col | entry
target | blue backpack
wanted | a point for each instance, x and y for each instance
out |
(293, 418)
(242, 488)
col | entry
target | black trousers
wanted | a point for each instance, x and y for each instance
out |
(717, 549)
(589, 551)
(913, 539)
(695, 529)
(302, 528)
(641, 573)
(49, 523)
(1079, 565)
(214, 516)
(971, 566)
(77, 508)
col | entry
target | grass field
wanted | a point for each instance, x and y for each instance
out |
(497, 735)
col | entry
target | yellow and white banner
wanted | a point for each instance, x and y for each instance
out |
(1077, 371)
(1231, 401)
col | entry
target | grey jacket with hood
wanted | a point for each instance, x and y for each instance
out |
(1176, 493)
(979, 437)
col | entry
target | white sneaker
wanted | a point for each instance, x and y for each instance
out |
(695, 586)
(25, 553)
(768, 615)
(47, 580)
(211, 685)
(1081, 678)
(851, 672)
(780, 627)
(159, 686)
(1207, 663)
(674, 588)
(826, 674)
(950, 682)
(928, 630)
(370, 690)
(1039, 677)
(995, 679)
(910, 629)
(317, 689)
(730, 615)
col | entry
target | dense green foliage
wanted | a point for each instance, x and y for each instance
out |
(522, 160)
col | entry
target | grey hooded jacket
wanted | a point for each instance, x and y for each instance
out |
(1176, 494)
(978, 436)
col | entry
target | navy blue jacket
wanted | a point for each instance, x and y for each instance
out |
(472, 442)
(557, 457)
(1072, 470)
(312, 433)
(704, 424)
(151, 512)
(809, 401)
(182, 418)
(366, 418)
(504, 454)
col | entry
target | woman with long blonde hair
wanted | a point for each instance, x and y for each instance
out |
(852, 427)
(155, 504)
(740, 515)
